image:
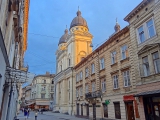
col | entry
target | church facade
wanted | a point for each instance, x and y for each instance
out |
(73, 47)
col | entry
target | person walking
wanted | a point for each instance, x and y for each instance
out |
(28, 113)
(25, 113)
(36, 114)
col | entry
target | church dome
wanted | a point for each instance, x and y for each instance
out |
(78, 21)
(64, 37)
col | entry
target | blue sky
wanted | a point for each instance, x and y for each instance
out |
(48, 20)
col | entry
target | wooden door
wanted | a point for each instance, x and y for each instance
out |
(77, 109)
(130, 111)
(94, 111)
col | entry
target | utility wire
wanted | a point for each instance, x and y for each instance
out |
(42, 35)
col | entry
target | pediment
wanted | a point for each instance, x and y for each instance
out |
(147, 47)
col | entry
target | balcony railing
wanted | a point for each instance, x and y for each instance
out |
(96, 94)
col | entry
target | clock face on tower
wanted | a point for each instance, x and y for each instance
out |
(62, 47)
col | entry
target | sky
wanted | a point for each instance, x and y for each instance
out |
(48, 20)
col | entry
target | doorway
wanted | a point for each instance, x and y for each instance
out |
(78, 109)
(94, 111)
(87, 110)
(81, 110)
(130, 111)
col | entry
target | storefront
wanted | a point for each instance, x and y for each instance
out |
(151, 104)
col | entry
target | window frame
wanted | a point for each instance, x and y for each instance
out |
(126, 76)
(146, 30)
(92, 70)
(86, 88)
(113, 56)
(103, 84)
(93, 88)
(117, 80)
(156, 68)
(86, 72)
(126, 51)
(102, 63)
(44, 95)
(146, 67)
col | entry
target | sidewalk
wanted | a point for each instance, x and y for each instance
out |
(63, 116)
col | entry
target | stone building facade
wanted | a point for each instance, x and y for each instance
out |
(42, 91)
(12, 49)
(72, 48)
(105, 80)
(144, 22)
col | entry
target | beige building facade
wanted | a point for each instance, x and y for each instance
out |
(144, 24)
(42, 91)
(72, 48)
(105, 80)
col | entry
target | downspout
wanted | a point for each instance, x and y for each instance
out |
(72, 90)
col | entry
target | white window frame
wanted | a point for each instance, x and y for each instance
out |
(104, 86)
(86, 90)
(115, 82)
(126, 78)
(155, 61)
(86, 72)
(146, 31)
(102, 65)
(113, 57)
(77, 77)
(125, 52)
(93, 87)
(77, 92)
(81, 91)
(146, 73)
(81, 75)
(92, 68)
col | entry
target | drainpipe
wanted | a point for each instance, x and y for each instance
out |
(72, 90)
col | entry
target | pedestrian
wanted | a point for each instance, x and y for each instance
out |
(25, 113)
(28, 113)
(36, 114)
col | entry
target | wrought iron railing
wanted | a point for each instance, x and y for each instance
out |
(96, 94)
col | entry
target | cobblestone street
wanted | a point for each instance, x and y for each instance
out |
(49, 116)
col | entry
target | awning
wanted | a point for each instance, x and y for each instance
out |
(42, 103)
(30, 103)
(148, 93)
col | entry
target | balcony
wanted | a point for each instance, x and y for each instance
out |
(91, 95)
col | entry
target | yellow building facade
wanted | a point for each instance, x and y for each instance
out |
(73, 46)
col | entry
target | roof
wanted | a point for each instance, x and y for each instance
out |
(64, 37)
(113, 37)
(136, 9)
(78, 21)
(148, 93)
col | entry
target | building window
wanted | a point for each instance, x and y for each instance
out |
(141, 34)
(115, 82)
(81, 91)
(101, 63)
(77, 92)
(60, 67)
(146, 31)
(86, 72)
(93, 68)
(77, 77)
(44, 81)
(104, 86)
(117, 110)
(52, 88)
(51, 95)
(42, 95)
(86, 88)
(93, 87)
(43, 88)
(146, 66)
(156, 62)
(81, 75)
(124, 52)
(150, 28)
(126, 79)
(82, 58)
(113, 57)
